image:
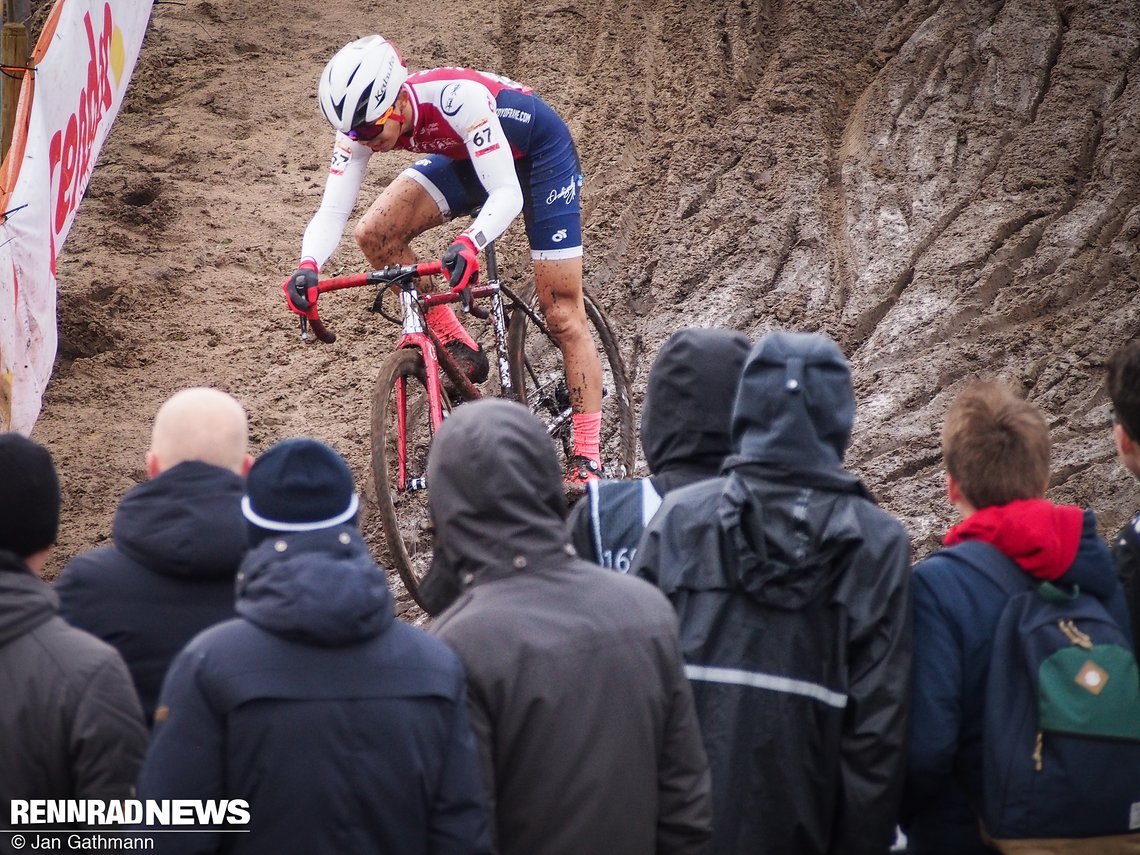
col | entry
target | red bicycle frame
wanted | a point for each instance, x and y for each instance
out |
(415, 334)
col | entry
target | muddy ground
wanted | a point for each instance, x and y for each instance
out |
(947, 188)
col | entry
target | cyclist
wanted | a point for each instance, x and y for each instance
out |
(488, 143)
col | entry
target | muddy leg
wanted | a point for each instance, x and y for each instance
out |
(401, 212)
(384, 233)
(559, 285)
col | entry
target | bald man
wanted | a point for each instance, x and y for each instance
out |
(176, 541)
(200, 424)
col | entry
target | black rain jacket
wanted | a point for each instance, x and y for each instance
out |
(1126, 555)
(584, 717)
(792, 590)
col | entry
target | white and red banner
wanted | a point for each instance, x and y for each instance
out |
(83, 62)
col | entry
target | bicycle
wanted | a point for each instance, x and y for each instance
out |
(409, 401)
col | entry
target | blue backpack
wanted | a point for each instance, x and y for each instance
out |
(1061, 728)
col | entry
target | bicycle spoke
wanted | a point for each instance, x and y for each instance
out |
(537, 362)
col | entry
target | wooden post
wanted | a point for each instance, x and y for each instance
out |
(17, 11)
(13, 55)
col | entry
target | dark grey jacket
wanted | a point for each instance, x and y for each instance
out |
(585, 719)
(70, 723)
(792, 591)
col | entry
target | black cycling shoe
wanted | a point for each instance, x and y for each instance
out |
(473, 363)
(580, 471)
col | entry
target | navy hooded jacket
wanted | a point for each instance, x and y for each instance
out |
(344, 729)
(177, 541)
(956, 615)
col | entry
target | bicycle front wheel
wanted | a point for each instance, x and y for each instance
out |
(402, 432)
(540, 381)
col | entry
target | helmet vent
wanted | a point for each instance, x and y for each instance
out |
(361, 113)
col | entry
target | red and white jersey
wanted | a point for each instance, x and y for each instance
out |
(454, 115)
(450, 106)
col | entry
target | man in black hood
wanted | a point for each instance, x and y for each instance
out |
(685, 422)
(792, 590)
(580, 706)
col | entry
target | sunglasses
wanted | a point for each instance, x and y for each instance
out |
(364, 133)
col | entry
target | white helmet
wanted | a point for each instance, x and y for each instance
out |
(361, 82)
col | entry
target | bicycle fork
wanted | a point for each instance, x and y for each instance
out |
(415, 335)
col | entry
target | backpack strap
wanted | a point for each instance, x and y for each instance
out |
(992, 563)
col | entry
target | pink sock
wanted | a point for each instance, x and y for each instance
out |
(447, 327)
(587, 435)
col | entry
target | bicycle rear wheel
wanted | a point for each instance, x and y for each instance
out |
(403, 503)
(539, 379)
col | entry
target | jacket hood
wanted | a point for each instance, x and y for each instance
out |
(1047, 541)
(184, 522)
(789, 540)
(496, 498)
(26, 601)
(320, 587)
(796, 406)
(687, 414)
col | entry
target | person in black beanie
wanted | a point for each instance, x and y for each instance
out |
(70, 722)
(29, 500)
(344, 729)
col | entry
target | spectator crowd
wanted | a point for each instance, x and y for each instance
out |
(735, 654)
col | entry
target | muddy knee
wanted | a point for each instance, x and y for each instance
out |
(401, 212)
(566, 322)
(380, 241)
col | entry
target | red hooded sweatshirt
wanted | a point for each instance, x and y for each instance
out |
(1040, 537)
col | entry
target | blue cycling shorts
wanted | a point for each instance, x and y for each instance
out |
(549, 174)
